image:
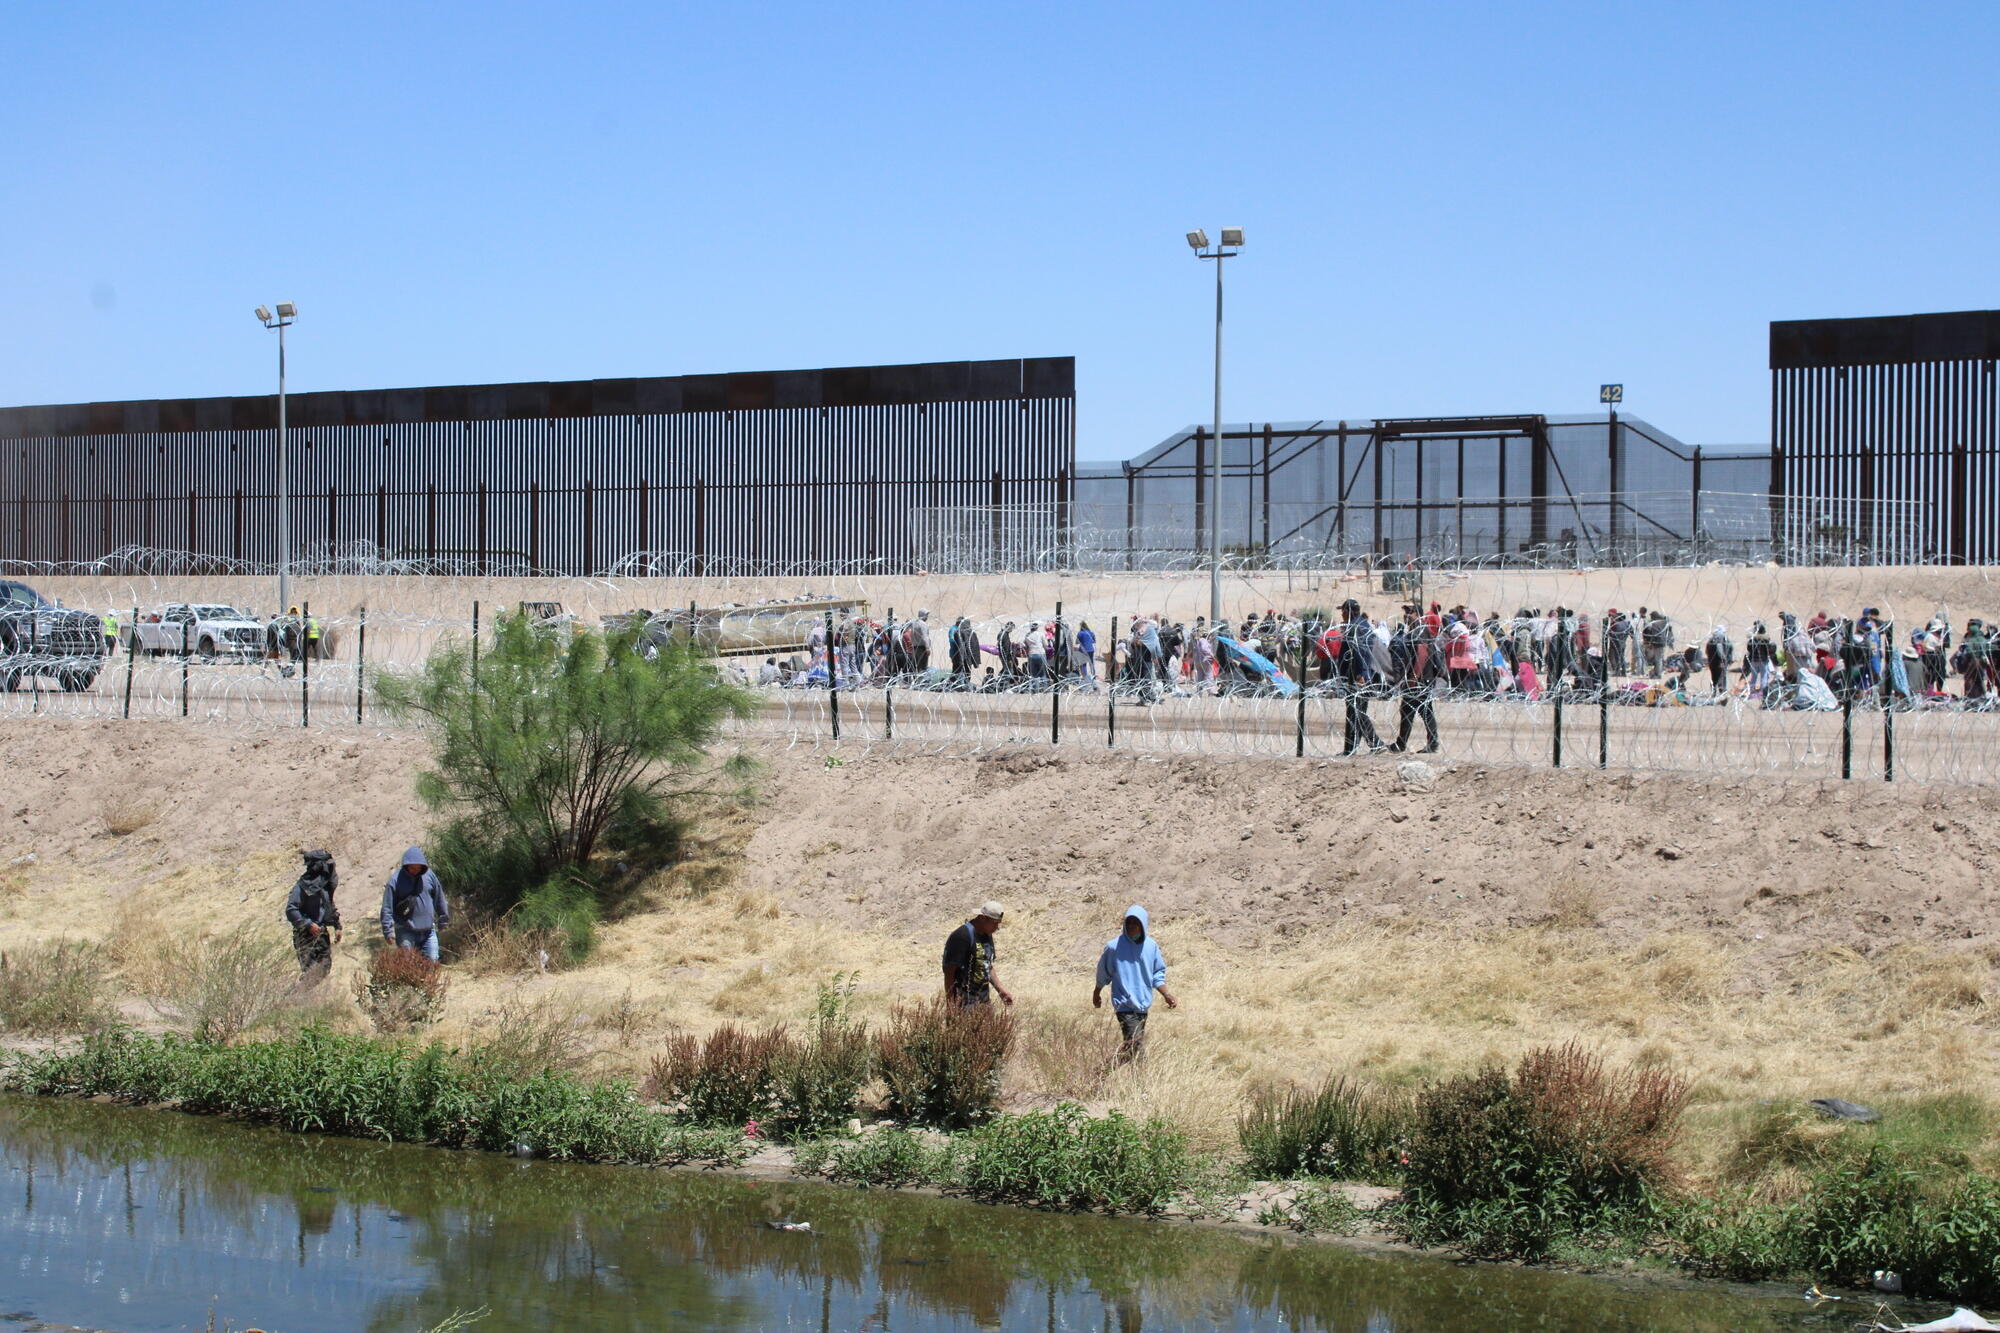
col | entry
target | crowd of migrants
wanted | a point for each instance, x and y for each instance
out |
(1643, 657)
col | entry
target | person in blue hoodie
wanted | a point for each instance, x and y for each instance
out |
(1133, 967)
(413, 906)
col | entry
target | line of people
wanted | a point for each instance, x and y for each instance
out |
(1437, 651)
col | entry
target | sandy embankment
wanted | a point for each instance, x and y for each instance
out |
(1775, 940)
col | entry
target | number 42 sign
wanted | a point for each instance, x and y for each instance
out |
(1610, 393)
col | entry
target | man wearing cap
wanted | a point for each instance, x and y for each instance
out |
(969, 957)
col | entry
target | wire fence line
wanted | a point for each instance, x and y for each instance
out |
(371, 617)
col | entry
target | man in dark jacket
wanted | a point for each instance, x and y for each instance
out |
(1357, 731)
(413, 906)
(311, 910)
(1414, 656)
(970, 960)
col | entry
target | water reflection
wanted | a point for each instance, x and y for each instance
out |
(138, 1221)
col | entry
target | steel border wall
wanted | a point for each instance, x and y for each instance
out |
(561, 477)
(1894, 408)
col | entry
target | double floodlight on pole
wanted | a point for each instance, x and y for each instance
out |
(287, 312)
(1232, 241)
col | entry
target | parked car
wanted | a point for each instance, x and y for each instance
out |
(39, 637)
(205, 629)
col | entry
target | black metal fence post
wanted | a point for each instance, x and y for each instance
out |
(1888, 705)
(186, 627)
(1299, 740)
(832, 678)
(360, 668)
(131, 657)
(1056, 660)
(475, 645)
(1847, 702)
(1557, 695)
(34, 651)
(1111, 689)
(1604, 720)
(1846, 734)
(305, 663)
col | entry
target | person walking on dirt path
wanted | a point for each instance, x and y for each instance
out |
(413, 906)
(1133, 967)
(969, 957)
(314, 916)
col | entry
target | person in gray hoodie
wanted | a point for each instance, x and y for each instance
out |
(413, 906)
(1133, 967)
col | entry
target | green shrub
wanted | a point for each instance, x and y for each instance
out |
(1318, 1210)
(1563, 1152)
(53, 988)
(729, 1079)
(563, 912)
(1879, 1210)
(942, 1062)
(1066, 1158)
(320, 1082)
(1339, 1130)
(818, 1079)
(554, 746)
(885, 1159)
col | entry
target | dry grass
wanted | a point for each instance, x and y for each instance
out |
(1387, 1002)
(127, 814)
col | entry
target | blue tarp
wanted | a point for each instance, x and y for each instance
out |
(1263, 665)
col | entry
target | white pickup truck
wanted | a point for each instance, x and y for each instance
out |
(204, 629)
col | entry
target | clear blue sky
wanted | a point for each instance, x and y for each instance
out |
(1451, 208)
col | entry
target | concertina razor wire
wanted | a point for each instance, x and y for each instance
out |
(1814, 671)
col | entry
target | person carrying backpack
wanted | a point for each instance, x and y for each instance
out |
(413, 906)
(311, 910)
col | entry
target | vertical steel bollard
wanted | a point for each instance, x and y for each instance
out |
(1847, 734)
(130, 658)
(360, 662)
(1604, 720)
(1558, 696)
(305, 664)
(1299, 742)
(1888, 706)
(832, 678)
(1847, 704)
(1056, 660)
(1111, 689)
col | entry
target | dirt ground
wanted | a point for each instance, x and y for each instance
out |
(1775, 940)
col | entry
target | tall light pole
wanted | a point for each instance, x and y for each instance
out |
(1198, 241)
(287, 312)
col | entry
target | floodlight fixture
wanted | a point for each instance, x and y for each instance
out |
(1197, 240)
(286, 310)
(1230, 236)
(264, 314)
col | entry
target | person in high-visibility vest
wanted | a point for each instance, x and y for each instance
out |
(312, 637)
(110, 619)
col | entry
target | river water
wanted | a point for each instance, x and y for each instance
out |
(146, 1222)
